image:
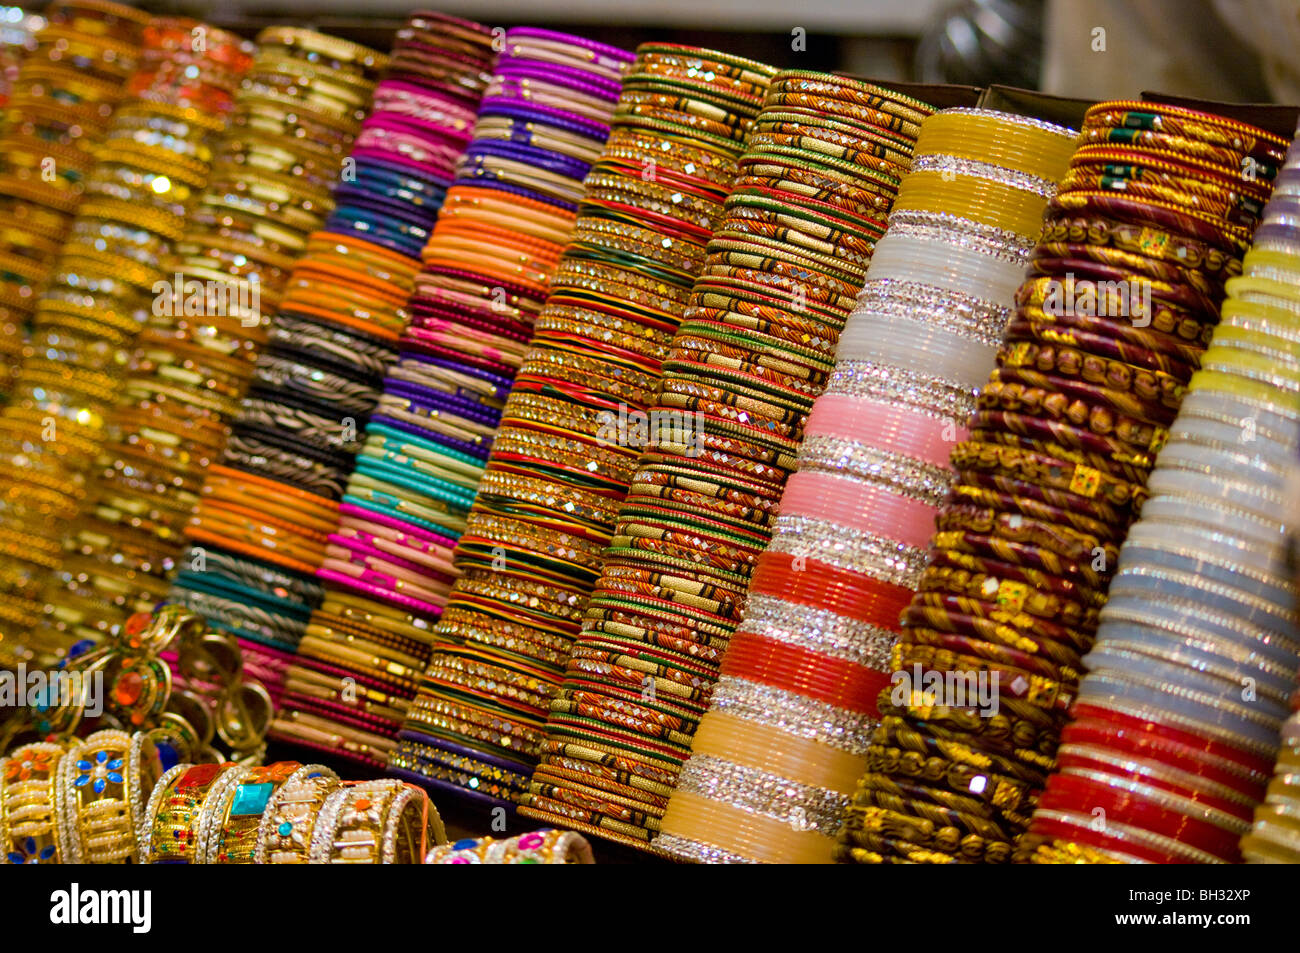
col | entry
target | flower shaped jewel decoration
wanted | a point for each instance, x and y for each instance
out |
(99, 773)
(28, 854)
(20, 769)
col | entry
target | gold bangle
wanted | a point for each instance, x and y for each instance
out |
(284, 835)
(175, 810)
(241, 808)
(376, 822)
(100, 794)
(27, 811)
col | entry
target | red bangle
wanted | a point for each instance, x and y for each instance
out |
(1146, 726)
(818, 676)
(820, 586)
(1071, 793)
(1084, 834)
(1100, 732)
(1088, 760)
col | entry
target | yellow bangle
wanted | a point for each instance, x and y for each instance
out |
(763, 839)
(769, 749)
(991, 203)
(1012, 142)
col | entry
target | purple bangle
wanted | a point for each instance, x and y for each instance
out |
(480, 178)
(604, 50)
(547, 115)
(529, 155)
(479, 181)
(469, 449)
(452, 748)
(379, 198)
(423, 399)
(403, 165)
(519, 89)
(380, 171)
(392, 216)
(417, 373)
(556, 74)
(501, 384)
(462, 361)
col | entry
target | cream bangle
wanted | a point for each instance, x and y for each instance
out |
(284, 835)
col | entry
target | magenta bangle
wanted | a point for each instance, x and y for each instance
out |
(362, 548)
(414, 537)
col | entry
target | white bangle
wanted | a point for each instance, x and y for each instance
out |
(916, 347)
(945, 266)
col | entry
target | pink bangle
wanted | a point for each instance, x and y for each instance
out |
(886, 426)
(358, 562)
(849, 502)
(428, 562)
(356, 516)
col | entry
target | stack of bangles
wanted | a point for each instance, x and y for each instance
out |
(272, 176)
(387, 564)
(335, 333)
(530, 550)
(152, 165)
(58, 112)
(1191, 679)
(1110, 325)
(776, 757)
(83, 802)
(821, 169)
(266, 508)
(285, 813)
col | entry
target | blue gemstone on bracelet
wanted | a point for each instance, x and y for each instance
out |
(251, 799)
